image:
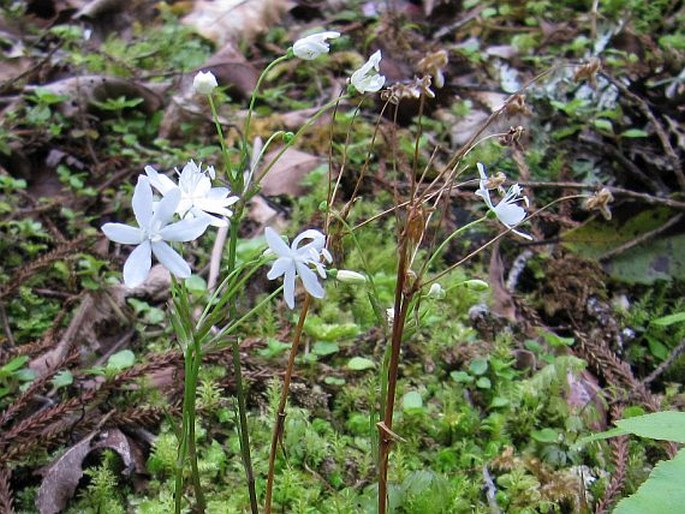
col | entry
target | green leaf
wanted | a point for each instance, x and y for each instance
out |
(196, 284)
(478, 366)
(15, 364)
(334, 381)
(671, 319)
(546, 435)
(461, 376)
(121, 360)
(360, 364)
(665, 426)
(62, 379)
(603, 124)
(662, 492)
(412, 401)
(323, 348)
(483, 383)
(634, 133)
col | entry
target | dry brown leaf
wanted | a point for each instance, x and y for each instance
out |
(98, 310)
(62, 477)
(285, 176)
(222, 21)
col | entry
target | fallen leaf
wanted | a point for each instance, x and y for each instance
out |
(287, 173)
(62, 477)
(238, 20)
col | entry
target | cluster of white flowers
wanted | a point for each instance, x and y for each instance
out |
(193, 200)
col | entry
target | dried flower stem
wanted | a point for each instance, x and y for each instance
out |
(280, 413)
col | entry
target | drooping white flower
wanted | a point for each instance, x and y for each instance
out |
(296, 260)
(198, 197)
(314, 45)
(507, 210)
(153, 232)
(367, 79)
(204, 82)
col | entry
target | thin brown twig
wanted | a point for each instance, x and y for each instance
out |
(642, 238)
(280, 412)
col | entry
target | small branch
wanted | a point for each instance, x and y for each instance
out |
(641, 238)
(675, 353)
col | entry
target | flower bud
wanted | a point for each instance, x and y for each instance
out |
(476, 285)
(436, 292)
(288, 137)
(349, 276)
(204, 82)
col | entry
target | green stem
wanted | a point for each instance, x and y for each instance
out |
(253, 99)
(297, 135)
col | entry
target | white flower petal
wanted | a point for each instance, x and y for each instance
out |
(289, 287)
(279, 267)
(172, 261)
(309, 280)
(137, 266)
(314, 45)
(185, 230)
(276, 244)
(160, 182)
(510, 214)
(123, 234)
(204, 82)
(142, 202)
(167, 206)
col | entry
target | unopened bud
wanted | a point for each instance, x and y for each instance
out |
(204, 82)
(288, 137)
(348, 276)
(436, 292)
(476, 285)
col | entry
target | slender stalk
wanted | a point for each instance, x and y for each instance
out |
(385, 433)
(280, 413)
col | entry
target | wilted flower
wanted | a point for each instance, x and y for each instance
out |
(507, 210)
(204, 82)
(198, 197)
(434, 64)
(154, 229)
(367, 79)
(314, 45)
(296, 260)
(600, 201)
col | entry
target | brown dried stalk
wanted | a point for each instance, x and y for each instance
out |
(619, 445)
(280, 412)
(5, 491)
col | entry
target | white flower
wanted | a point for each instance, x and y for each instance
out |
(366, 79)
(314, 45)
(295, 260)
(154, 228)
(198, 197)
(204, 82)
(507, 210)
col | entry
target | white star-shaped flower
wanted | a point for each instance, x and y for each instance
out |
(314, 45)
(295, 260)
(367, 79)
(507, 210)
(153, 232)
(198, 197)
